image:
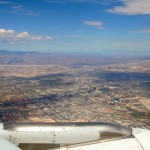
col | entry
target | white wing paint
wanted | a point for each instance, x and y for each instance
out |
(79, 136)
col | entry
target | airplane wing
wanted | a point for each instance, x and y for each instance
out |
(139, 140)
(123, 144)
(74, 136)
(6, 145)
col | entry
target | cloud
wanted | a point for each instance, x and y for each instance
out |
(4, 2)
(12, 8)
(12, 36)
(132, 7)
(97, 24)
(80, 1)
(141, 31)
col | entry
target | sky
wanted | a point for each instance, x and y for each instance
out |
(108, 27)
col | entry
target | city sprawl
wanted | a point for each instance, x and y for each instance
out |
(57, 93)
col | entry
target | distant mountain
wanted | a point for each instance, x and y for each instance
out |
(6, 52)
(21, 57)
(146, 58)
(38, 58)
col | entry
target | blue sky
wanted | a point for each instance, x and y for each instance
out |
(111, 27)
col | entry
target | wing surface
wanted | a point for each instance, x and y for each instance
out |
(123, 144)
(6, 145)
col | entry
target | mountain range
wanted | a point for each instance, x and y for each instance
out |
(39, 58)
